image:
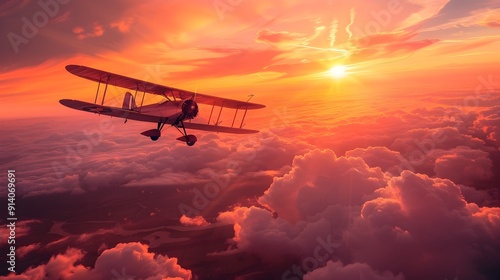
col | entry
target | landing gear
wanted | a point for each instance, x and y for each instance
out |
(154, 134)
(188, 138)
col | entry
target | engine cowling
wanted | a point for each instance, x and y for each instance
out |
(189, 108)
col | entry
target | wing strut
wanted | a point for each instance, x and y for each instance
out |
(97, 92)
(105, 89)
(234, 118)
(142, 101)
(246, 109)
(221, 107)
(244, 115)
(136, 89)
(209, 118)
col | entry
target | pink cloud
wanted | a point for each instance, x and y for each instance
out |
(22, 228)
(322, 177)
(61, 266)
(196, 221)
(124, 260)
(395, 221)
(24, 250)
(336, 270)
(406, 47)
(383, 45)
(275, 37)
(124, 24)
(249, 61)
(97, 30)
(383, 157)
(464, 165)
(423, 211)
(382, 39)
(139, 262)
(466, 45)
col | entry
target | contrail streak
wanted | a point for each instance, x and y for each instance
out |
(348, 27)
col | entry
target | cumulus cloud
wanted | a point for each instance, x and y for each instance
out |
(464, 165)
(322, 177)
(61, 266)
(124, 260)
(384, 226)
(417, 213)
(388, 160)
(336, 270)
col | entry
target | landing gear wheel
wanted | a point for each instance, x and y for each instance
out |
(190, 139)
(154, 134)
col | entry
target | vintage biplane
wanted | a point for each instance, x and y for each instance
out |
(177, 110)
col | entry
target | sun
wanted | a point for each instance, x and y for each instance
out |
(338, 71)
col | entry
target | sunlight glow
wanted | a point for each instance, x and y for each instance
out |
(338, 71)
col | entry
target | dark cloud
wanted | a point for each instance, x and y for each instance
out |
(51, 24)
(456, 9)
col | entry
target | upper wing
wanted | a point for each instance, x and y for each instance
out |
(135, 84)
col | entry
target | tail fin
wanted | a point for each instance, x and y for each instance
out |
(129, 102)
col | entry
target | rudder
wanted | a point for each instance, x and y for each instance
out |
(129, 102)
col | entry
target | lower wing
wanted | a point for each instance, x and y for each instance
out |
(134, 115)
(111, 111)
(218, 128)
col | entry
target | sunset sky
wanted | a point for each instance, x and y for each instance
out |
(380, 139)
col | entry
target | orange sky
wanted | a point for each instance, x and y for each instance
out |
(280, 52)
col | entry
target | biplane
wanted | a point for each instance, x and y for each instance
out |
(177, 109)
